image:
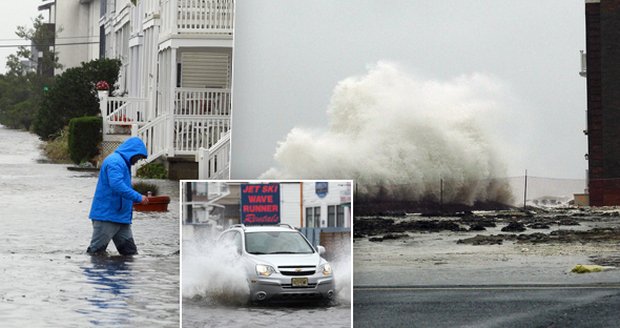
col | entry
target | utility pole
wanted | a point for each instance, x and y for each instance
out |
(525, 193)
(441, 194)
(189, 217)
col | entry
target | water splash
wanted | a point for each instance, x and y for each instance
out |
(398, 136)
(214, 273)
(342, 275)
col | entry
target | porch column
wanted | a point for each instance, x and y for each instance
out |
(103, 107)
(202, 157)
(172, 83)
(134, 133)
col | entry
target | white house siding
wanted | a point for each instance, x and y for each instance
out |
(149, 69)
(206, 69)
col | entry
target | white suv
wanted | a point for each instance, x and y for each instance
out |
(280, 263)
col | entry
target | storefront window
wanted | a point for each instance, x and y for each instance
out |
(317, 217)
(331, 216)
(340, 216)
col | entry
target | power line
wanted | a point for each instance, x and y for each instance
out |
(46, 45)
(57, 38)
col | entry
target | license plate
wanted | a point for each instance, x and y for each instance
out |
(299, 282)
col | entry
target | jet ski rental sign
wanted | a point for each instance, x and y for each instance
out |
(260, 203)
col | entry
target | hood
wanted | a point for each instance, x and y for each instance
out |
(277, 260)
(131, 147)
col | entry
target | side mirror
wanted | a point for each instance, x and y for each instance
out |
(321, 250)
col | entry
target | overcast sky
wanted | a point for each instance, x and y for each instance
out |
(290, 54)
(13, 14)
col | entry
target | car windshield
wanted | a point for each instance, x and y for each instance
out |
(276, 242)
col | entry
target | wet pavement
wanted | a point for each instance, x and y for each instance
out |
(47, 278)
(486, 307)
(416, 271)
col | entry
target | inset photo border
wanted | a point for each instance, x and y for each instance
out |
(252, 249)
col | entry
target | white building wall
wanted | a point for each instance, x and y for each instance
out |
(336, 195)
(290, 204)
(77, 23)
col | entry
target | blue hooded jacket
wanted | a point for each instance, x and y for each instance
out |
(114, 196)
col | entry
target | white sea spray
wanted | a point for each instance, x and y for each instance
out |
(399, 136)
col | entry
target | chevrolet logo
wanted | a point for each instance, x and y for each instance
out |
(298, 270)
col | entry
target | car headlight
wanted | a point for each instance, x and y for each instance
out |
(264, 270)
(327, 269)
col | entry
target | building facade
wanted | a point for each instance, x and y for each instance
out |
(603, 100)
(175, 82)
(303, 204)
(75, 27)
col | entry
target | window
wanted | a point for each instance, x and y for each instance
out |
(340, 216)
(309, 217)
(313, 217)
(317, 217)
(331, 216)
(276, 242)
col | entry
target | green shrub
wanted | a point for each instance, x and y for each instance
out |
(20, 115)
(57, 149)
(152, 171)
(84, 138)
(144, 187)
(73, 95)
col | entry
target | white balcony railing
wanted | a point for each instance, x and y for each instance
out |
(193, 132)
(154, 135)
(119, 113)
(202, 101)
(197, 16)
(214, 163)
(151, 7)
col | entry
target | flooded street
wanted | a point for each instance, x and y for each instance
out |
(48, 280)
(206, 314)
(215, 294)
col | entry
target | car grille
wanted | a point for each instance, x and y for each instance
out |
(289, 286)
(297, 270)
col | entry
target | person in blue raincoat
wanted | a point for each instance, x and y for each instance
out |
(112, 208)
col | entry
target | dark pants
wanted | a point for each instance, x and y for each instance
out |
(119, 233)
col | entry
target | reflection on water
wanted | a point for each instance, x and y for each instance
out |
(112, 280)
(46, 277)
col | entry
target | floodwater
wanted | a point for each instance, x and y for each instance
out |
(48, 280)
(215, 294)
(201, 313)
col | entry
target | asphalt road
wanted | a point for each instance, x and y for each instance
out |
(488, 306)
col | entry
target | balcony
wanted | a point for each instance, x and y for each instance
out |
(201, 118)
(197, 17)
(193, 133)
(202, 101)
